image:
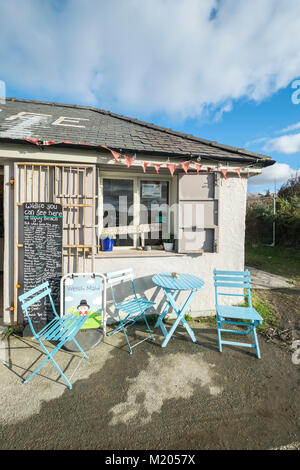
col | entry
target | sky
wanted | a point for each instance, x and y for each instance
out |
(224, 70)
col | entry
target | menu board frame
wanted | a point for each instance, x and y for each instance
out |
(43, 257)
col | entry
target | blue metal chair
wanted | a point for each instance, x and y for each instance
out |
(134, 307)
(60, 329)
(234, 315)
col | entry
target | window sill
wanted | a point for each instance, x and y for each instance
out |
(143, 254)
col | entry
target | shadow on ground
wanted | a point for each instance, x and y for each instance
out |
(185, 396)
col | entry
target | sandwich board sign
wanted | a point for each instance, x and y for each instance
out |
(84, 294)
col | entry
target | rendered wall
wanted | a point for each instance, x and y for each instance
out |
(230, 255)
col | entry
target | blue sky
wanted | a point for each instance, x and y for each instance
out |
(218, 69)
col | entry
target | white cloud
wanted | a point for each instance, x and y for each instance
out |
(277, 174)
(256, 141)
(224, 109)
(290, 128)
(286, 144)
(150, 55)
(68, 298)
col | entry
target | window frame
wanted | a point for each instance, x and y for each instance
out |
(137, 178)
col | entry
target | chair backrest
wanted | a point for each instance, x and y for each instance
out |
(34, 295)
(118, 277)
(232, 279)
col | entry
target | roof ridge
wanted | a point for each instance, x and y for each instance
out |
(149, 125)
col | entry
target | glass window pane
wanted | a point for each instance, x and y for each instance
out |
(118, 207)
(154, 200)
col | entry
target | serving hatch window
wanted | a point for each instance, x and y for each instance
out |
(129, 205)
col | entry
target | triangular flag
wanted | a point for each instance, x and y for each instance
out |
(224, 173)
(208, 169)
(157, 167)
(129, 161)
(145, 164)
(185, 166)
(172, 167)
(238, 170)
(34, 141)
(198, 166)
(116, 155)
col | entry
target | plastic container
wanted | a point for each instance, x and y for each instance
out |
(107, 244)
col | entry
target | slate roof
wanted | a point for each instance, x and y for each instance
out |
(118, 132)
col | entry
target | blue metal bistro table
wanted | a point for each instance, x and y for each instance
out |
(172, 287)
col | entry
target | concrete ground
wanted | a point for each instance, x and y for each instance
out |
(263, 280)
(184, 396)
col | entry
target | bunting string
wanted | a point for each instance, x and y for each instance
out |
(186, 165)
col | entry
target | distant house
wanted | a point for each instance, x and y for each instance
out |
(86, 158)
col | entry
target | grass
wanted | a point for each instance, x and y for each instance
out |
(266, 311)
(10, 330)
(282, 261)
(187, 317)
(264, 308)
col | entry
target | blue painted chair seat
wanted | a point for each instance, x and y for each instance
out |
(239, 313)
(61, 329)
(135, 305)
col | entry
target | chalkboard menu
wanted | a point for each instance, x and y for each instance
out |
(42, 257)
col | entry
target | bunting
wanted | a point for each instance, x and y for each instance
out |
(198, 167)
(115, 154)
(129, 161)
(157, 167)
(185, 166)
(238, 171)
(39, 142)
(224, 173)
(171, 167)
(145, 164)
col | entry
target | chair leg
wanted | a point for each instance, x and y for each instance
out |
(127, 340)
(256, 343)
(219, 326)
(150, 332)
(53, 362)
(80, 349)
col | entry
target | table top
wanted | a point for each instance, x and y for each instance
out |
(183, 282)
